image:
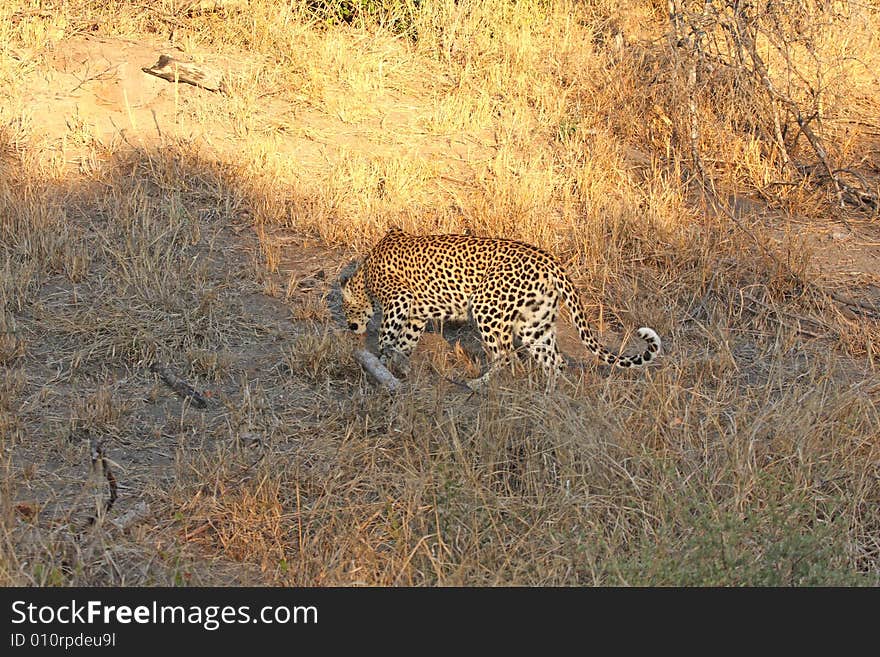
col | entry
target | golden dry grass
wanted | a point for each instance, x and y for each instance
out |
(208, 231)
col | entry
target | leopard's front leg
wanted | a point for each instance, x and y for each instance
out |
(399, 332)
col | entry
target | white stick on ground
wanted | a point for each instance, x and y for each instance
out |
(201, 6)
(175, 70)
(138, 512)
(377, 370)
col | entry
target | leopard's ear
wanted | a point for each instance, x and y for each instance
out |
(349, 271)
(395, 230)
(347, 294)
(345, 283)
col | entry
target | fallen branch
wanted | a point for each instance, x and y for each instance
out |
(377, 370)
(855, 305)
(179, 386)
(134, 515)
(206, 6)
(175, 70)
(865, 197)
(780, 313)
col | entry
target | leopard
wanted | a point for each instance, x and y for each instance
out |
(510, 289)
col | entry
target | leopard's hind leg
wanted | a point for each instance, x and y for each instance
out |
(536, 328)
(494, 318)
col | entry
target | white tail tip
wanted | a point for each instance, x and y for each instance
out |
(650, 336)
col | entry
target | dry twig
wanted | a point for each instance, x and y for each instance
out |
(134, 515)
(179, 386)
(175, 70)
(100, 464)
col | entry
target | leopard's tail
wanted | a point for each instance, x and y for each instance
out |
(578, 316)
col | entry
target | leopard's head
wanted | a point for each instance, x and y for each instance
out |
(356, 304)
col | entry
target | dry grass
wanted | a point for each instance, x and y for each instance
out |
(207, 231)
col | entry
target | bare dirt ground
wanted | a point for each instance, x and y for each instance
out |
(300, 470)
